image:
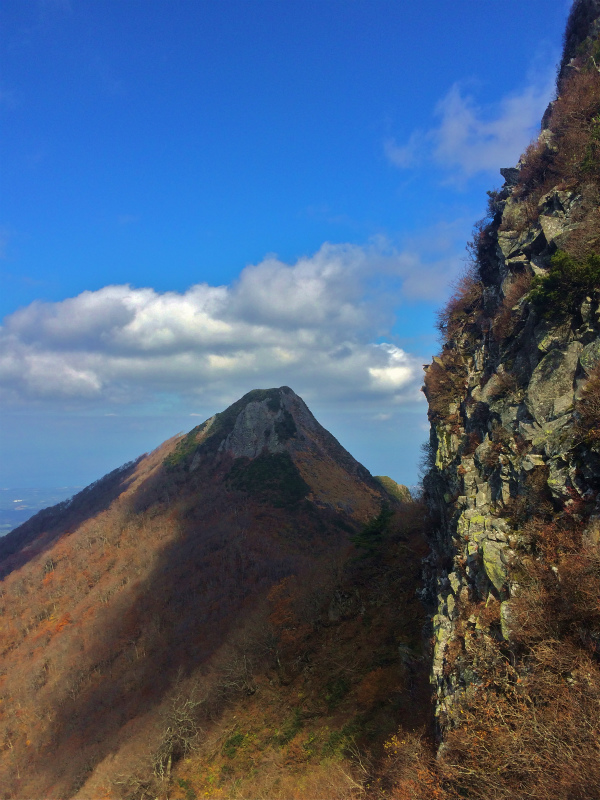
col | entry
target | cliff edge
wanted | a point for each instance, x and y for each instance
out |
(513, 478)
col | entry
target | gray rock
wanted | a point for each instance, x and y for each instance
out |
(455, 582)
(442, 630)
(509, 411)
(555, 203)
(508, 242)
(494, 564)
(261, 426)
(590, 356)
(586, 309)
(483, 497)
(559, 480)
(253, 432)
(563, 404)
(531, 461)
(510, 175)
(552, 337)
(552, 379)
(553, 227)
(505, 620)
(451, 606)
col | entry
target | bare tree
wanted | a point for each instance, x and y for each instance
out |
(182, 729)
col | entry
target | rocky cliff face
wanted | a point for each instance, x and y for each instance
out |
(514, 394)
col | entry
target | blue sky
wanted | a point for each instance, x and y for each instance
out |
(201, 198)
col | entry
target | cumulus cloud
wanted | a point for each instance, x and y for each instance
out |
(316, 325)
(471, 137)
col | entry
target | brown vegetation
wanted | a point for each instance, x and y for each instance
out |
(462, 306)
(445, 383)
(506, 318)
(587, 408)
(502, 384)
(332, 666)
(569, 158)
(573, 156)
(526, 725)
(533, 502)
(576, 32)
(472, 442)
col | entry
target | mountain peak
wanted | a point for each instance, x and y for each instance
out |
(262, 423)
(267, 447)
(267, 421)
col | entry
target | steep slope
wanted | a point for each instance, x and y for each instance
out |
(331, 671)
(159, 583)
(514, 468)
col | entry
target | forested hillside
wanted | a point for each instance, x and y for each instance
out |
(225, 589)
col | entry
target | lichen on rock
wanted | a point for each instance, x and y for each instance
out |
(508, 448)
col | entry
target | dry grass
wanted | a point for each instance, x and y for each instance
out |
(445, 384)
(501, 385)
(506, 319)
(587, 408)
(527, 724)
(570, 162)
(462, 305)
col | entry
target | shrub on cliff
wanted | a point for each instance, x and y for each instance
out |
(445, 381)
(462, 306)
(572, 154)
(567, 283)
(567, 157)
(506, 319)
(526, 725)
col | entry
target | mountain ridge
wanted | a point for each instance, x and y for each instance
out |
(218, 437)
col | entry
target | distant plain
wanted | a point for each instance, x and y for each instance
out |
(18, 505)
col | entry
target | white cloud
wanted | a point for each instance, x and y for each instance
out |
(471, 137)
(395, 373)
(315, 325)
(407, 155)
(468, 142)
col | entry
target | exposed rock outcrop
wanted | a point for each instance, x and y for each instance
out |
(508, 445)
